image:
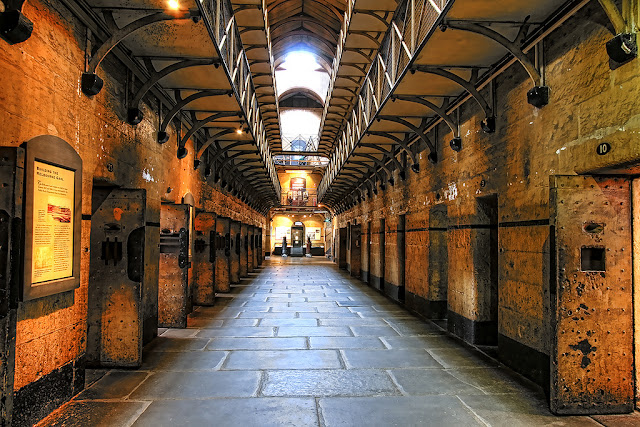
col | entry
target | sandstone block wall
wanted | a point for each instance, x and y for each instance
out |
(40, 94)
(448, 238)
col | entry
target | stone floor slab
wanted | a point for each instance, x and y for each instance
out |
(366, 382)
(255, 331)
(177, 344)
(420, 382)
(441, 411)
(317, 331)
(373, 331)
(114, 385)
(198, 385)
(345, 342)
(242, 323)
(289, 322)
(182, 361)
(234, 343)
(414, 358)
(285, 359)
(519, 409)
(328, 315)
(98, 414)
(429, 341)
(178, 333)
(264, 412)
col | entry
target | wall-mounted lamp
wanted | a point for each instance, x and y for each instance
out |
(433, 157)
(182, 152)
(539, 96)
(134, 116)
(622, 48)
(456, 144)
(488, 125)
(163, 137)
(173, 4)
(91, 84)
(14, 26)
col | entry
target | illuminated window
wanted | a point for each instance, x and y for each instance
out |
(300, 69)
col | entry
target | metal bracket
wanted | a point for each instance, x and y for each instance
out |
(489, 123)
(412, 127)
(134, 115)
(91, 84)
(415, 166)
(539, 95)
(210, 140)
(386, 153)
(182, 150)
(378, 162)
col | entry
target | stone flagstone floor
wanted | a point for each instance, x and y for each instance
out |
(300, 343)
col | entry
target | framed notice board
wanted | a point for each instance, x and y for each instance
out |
(52, 217)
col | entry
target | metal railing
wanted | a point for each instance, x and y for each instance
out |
(342, 39)
(219, 18)
(407, 33)
(300, 199)
(291, 160)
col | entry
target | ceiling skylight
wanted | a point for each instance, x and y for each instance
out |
(301, 69)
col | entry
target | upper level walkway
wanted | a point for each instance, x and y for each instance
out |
(300, 343)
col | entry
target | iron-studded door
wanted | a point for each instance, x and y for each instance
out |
(244, 244)
(251, 265)
(234, 257)
(116, 276)
(174, 302)
(204, 259)
(11, 179)
(591, 296)
(342, 249)
(356, 250)
(260, 250)
(223, 252)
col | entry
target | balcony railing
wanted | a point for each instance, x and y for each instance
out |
(221, 23)
(405, 37)
(310, 161)
(300, 199)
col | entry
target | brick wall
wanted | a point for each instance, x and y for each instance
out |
(589, 103)
(40, 94)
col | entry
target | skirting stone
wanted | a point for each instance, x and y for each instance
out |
(473, 332)
(525, 360)
(426, 308)
(38, 399)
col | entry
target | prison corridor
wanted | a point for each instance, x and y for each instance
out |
(301, 343)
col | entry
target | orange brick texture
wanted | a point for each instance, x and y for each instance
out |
(40, 81)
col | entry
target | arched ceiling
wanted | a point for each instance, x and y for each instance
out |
(310, 24)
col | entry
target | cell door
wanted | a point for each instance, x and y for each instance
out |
(174, 297)
(342, 249)
(355, 252)
(244, 245)
(204, 259)
(116, 276)
(234, 255)
(591, 296)
(223, 252)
